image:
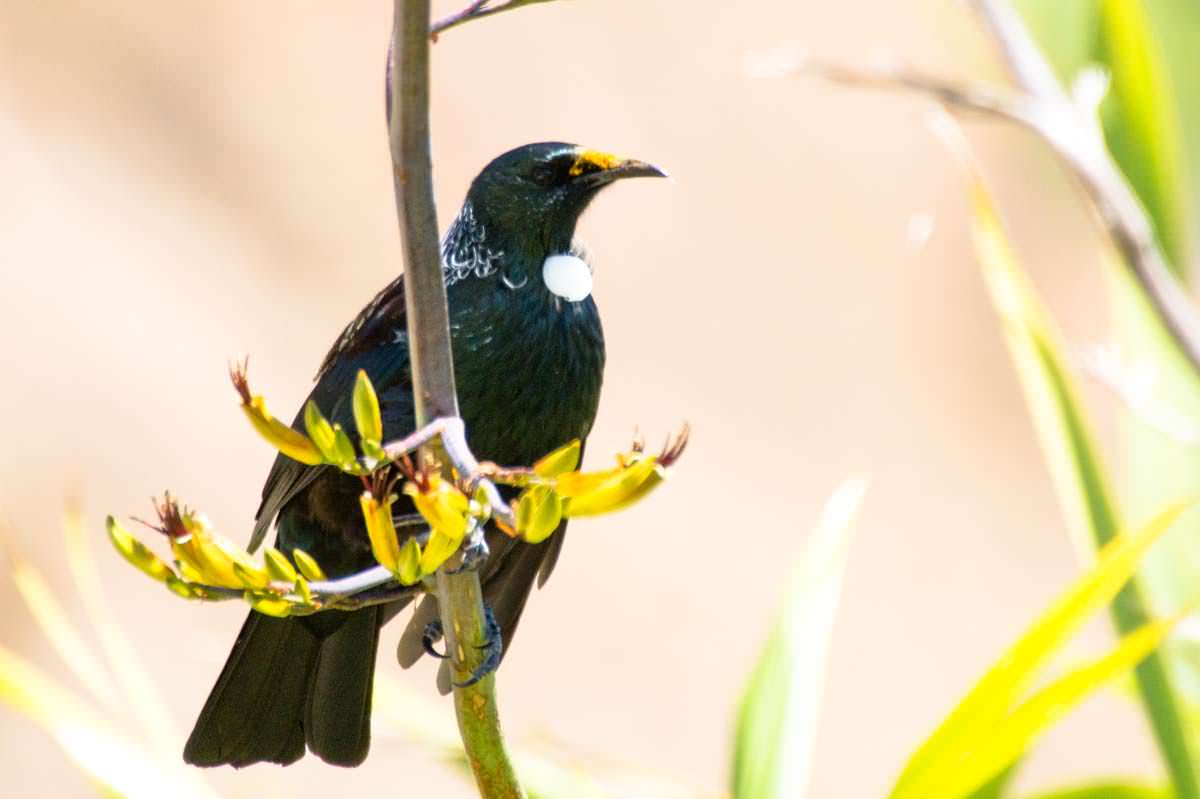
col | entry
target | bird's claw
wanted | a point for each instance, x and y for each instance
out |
(431, 635)
(473, 553)
(493, 646)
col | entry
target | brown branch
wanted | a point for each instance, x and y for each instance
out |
(460, 597)
(1073, 133)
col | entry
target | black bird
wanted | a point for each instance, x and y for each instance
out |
(529, 359)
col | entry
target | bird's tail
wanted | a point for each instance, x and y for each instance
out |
(283, 687)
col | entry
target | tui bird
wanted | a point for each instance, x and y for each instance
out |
(529, 359)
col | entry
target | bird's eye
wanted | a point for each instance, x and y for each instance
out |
(543, 174)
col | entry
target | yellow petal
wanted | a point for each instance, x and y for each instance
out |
(438, 551)
(622, 487)
(366, 409)
(181, 589)
(268, 604)
(301, 587)
(539, 511)
(443, 506)
(307, 565)
(381, 530)
(136, 552)
(250, 577)
(564, 459)
(409, 569)
(278, 566)
(283, 438)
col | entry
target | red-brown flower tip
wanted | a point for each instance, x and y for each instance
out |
(170, 518)
(237, 374)
(675, 447)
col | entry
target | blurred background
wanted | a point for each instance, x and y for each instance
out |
(182, 183)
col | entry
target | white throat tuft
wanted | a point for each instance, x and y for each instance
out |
(568, 277)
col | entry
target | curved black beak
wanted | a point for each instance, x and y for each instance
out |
(634, 169)
(593, 168)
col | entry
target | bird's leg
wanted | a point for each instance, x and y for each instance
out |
(493, 644)
(474, 549)
(430, 636)
(452, 432)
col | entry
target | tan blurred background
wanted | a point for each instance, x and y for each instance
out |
(183, 182)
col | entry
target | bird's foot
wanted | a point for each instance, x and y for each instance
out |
(431, 635)
(473, 553)
(493, 646)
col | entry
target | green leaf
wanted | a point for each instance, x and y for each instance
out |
(1076, 469)
(1009, 739)
(366, 409)
(985, 706)
(1108, 790)
(117, 766)
(1142, 123)
(997, 786)
(777, 722)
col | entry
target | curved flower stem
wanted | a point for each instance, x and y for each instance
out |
(460, 597)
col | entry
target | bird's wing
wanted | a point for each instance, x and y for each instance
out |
(364, 344)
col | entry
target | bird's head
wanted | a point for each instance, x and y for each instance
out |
(532, 196)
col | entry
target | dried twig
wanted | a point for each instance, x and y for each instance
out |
(1069, 126)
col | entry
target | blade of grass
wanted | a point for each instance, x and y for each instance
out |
(53, 621)
(1108, 790)
(1074, 460)
(777, 723)
(1142, 125)
(992, 698)
(1008, 740)
(113, 764)
(137, 686)
(1080, 481)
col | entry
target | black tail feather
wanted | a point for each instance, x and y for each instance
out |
(278, 674)
(337, 719)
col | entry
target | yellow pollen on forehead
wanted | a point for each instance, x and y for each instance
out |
(594, 159)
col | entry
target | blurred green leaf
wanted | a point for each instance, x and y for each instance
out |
(1141, 122)
(1081, 483)
(1067, 31)
(997, 786)
(1149, 48)
(115, 765)
(978, 720)
(777, 722)
(1010, 738)
(1108, 790)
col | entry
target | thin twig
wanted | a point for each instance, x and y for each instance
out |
(1073, 133)
(477, 10)
(1082, 146)
(460, 597)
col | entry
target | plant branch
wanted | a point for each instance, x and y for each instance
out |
(477, 10)
(460, 597)
(1072, 129)
(1080, 143)
(1073, 132)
